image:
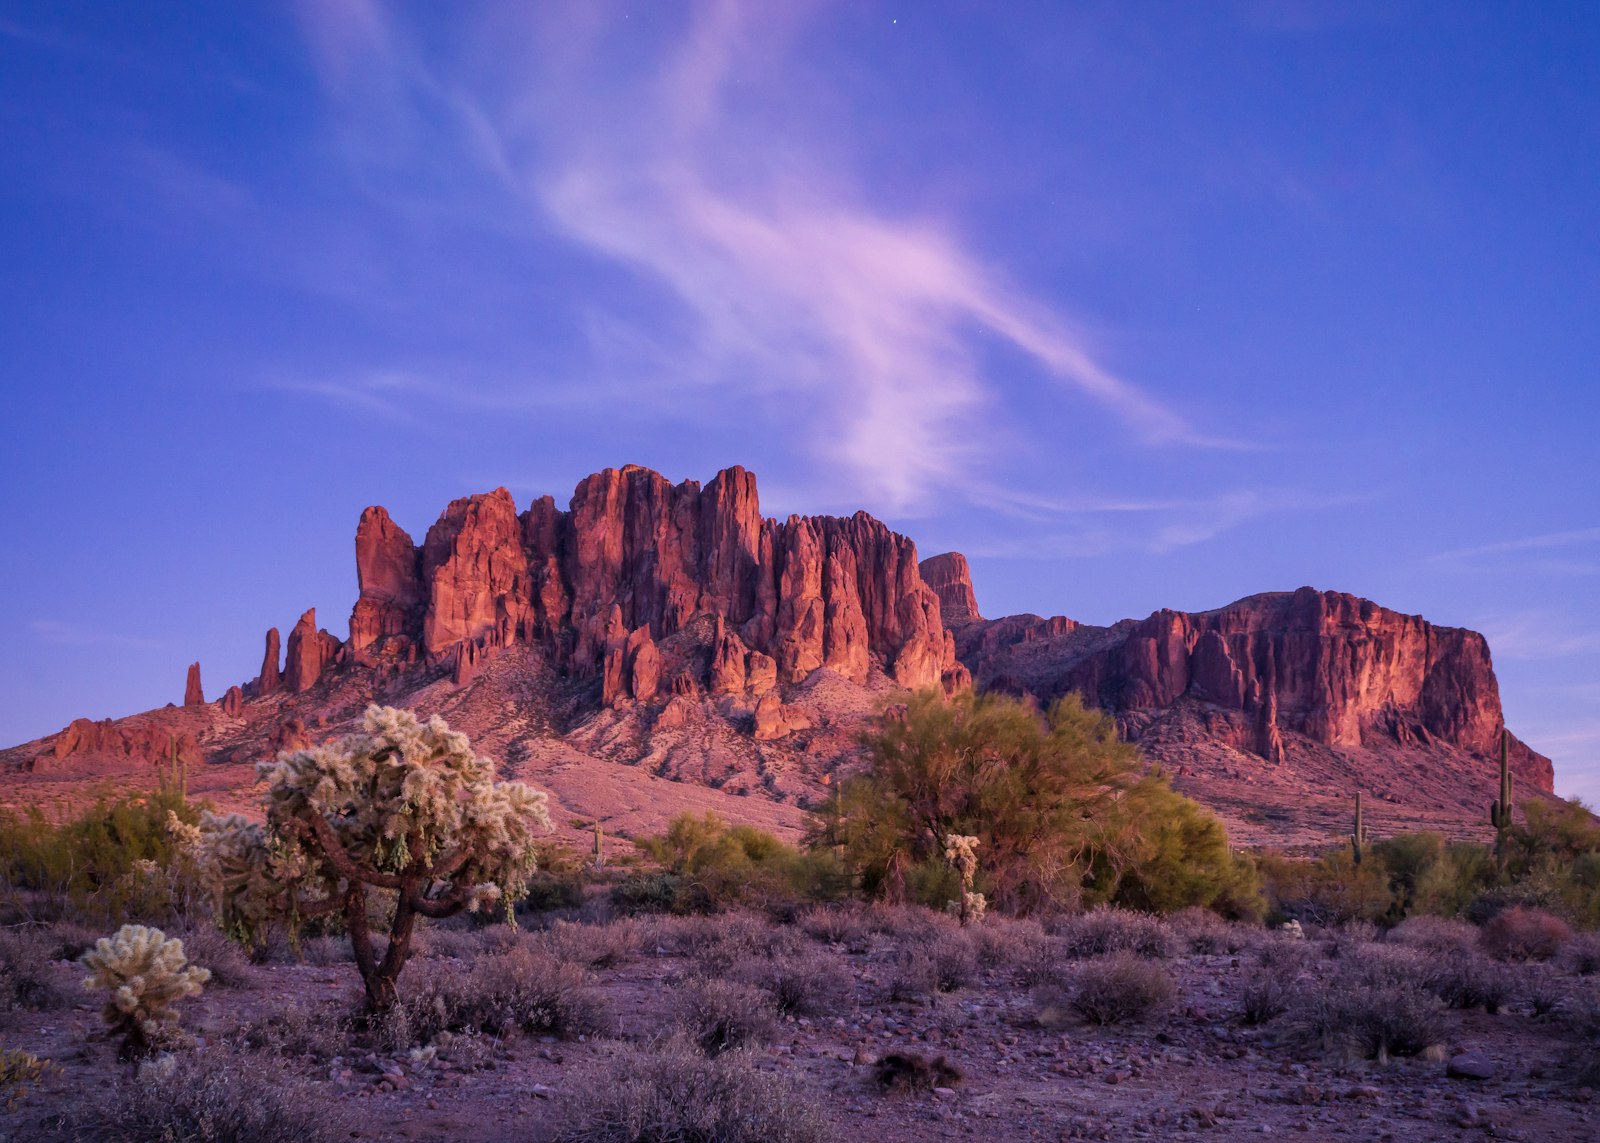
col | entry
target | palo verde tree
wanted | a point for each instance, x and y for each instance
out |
(405, 809)
(1062, 811)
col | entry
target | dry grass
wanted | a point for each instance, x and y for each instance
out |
(519, 989)
(1437, 935)
(807, 983)
(209, 947)
(26, 978)
(1582, 955)
(593, 946)
(1368, 1022)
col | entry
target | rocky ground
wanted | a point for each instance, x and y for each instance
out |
(1000, 1003)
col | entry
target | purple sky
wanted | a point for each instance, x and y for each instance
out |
(1137, 305)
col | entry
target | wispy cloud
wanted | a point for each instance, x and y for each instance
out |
(1574, 552)
(1536, 634)
(786, 282)
(66, 634)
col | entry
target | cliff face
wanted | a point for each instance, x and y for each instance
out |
(1331, 668)
(630, 563)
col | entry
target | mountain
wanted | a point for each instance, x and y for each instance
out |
(656, 647)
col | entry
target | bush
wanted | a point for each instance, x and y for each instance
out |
(1582, 957)
(675, 1095)
(1203, 932)
(593, 946)
(1115, 930)
(1367, 1022)
(296, 1031)
(211, 949)
(1059, 806)
(716, 866)
(519, 989)
(1020, 947)
(26, 980)
(1328, 890)
(1524, 934)
(1438, 936)
(720, 1015)
(1120, 987)
(837, 925)
(1267, 994)
(1466, 979)
(209, 1096)
(807, 983)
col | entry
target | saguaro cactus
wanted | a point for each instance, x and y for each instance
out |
(1358, 839)
(599, 846)
(1500, 810)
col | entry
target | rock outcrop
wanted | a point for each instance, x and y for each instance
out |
(951, 579)
(389, 576)
(310, 653)
(1331, 668)
(193, 695)
(270, 680)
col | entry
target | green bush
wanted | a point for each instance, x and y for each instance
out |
(710, 865)
(1063, 813)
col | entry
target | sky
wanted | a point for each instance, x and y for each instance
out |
(1139, 306)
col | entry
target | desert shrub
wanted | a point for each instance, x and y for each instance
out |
(19, 1071)
(1204, 932)
(717, 943)
(297, 1031)
(1110, 930)
(519, 990)
(1434, 935)
(675, 1095)
(808, 983)
(211, 1096)
(955, 960)
(1120, 987)
(1519, 933)
(1544, 992)
(1383, 966)
(593, 946)
(1019, 947)
(211, 949)
(327, 951)
(1467, 979)
(1326, 890)
(146, 974)
(404, 810)
(1366, 1021)
(720, 1015)
(837, 925)
(653, 891)
(717, 866)
(906, 924)
(26, 979)
(1267, 993)
(1059, 805)
(1582, 955)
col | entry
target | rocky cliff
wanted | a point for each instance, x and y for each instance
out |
(1322, 668)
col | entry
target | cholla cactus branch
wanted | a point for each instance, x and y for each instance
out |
(147, 974)
(962, 851)
(405, 807)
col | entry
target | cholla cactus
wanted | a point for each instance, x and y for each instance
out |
(147, 974)
(404, 807)
(962, 852)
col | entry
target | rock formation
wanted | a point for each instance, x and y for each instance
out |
(951, 580)
(271, 678)
(1329, 667)
(192, 694)
(389, 576)
(310, 653)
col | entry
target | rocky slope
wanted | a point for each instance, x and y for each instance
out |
(654, 634)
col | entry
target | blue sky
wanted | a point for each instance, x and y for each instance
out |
(1137, 305)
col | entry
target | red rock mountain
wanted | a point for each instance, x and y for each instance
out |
(667, 631)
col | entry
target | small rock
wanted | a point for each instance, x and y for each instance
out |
(1471, 1065)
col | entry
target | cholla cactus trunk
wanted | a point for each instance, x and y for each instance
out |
(962, 852)
(405, 808)
(146, 974)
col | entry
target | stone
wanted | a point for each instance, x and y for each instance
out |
(1471, 1065)
(232, 702)
(192, 694)
(478, 586)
